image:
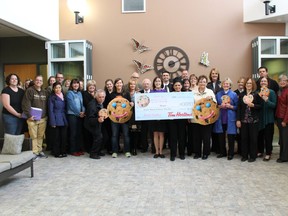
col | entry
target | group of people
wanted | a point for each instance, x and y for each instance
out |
(71, 121)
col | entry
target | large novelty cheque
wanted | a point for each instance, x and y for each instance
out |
(119, 110)
(161, 106)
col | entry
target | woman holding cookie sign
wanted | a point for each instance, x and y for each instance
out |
(266, 123)
(204, 114)
(120, 109)
(226, 124)
(248, 119)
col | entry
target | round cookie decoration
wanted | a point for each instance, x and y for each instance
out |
(143, 101)
(248, 99)
(264, 91)
(103, 113)
(205, 111)
(225, 99)
(119, 110)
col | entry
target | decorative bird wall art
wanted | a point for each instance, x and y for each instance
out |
(139, 47)
(142, 68)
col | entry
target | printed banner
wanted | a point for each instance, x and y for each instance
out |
(161, 106)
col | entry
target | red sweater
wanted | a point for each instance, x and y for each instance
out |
(282, 105)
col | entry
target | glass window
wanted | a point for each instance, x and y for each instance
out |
(284, 46)
(133, 6)
(58, 50)
(69, 69)
(76, 49)
(268, 46)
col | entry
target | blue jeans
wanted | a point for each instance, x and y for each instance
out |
(12, 124)
(115, 136)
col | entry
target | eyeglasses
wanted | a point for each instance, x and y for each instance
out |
(135, 77)
(59, 77)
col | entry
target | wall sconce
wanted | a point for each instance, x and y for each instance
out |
(268, 8)
(76, 6)
(78, 18)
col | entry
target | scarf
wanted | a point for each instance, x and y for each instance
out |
(60, 95)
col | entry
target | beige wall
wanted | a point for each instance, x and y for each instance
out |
(195, 26)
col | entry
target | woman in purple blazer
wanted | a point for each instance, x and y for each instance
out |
(58, 121)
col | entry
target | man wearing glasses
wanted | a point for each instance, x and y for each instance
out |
(134, 76)
(60, 78)
(34, 106)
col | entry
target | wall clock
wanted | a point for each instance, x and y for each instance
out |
(171, 59)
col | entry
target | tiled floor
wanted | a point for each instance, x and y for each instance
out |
(143, 185)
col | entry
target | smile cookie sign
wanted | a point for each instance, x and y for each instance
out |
(225, 99)
(205, 111)
(119, 110)
(247, 99)
(264, 91)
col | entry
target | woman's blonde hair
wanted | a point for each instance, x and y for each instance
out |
(91, 83)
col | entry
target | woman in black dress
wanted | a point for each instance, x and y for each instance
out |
(158, 126)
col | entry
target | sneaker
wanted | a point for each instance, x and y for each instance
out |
(114, 155)
(42, 155)
(127, 154)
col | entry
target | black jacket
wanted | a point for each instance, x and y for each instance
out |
(257, 101)
(91, 119)
(217, 87)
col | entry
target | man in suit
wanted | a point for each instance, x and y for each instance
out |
(166, 81)
(145, 125)
(168, 87)
(184, 75)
